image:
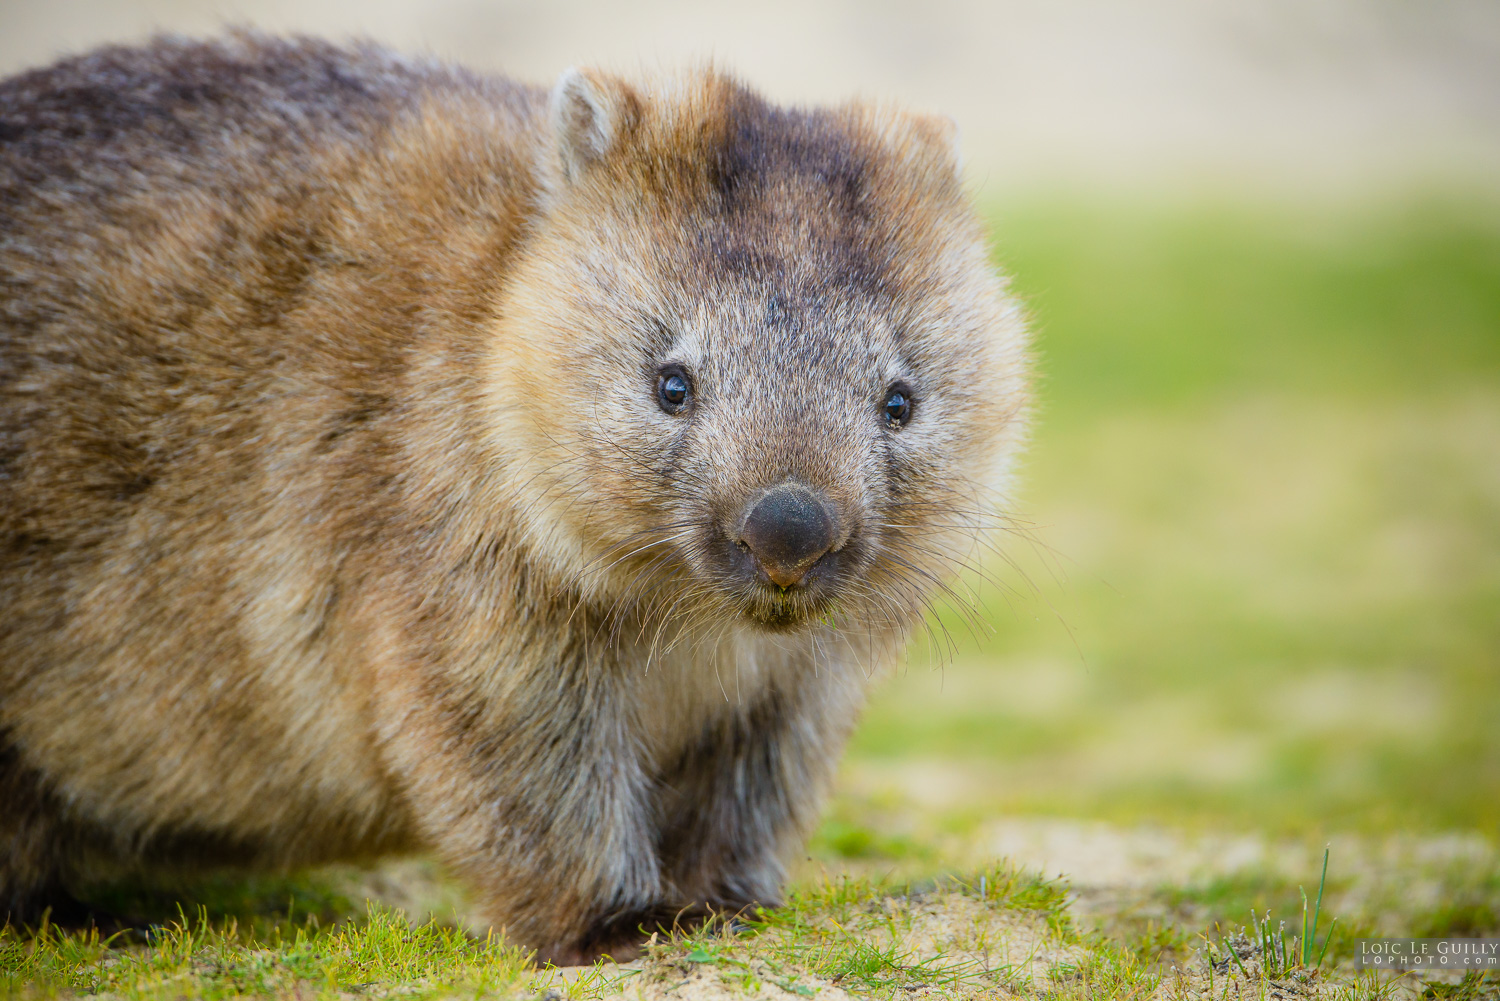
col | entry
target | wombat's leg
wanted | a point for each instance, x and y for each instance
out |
(33, 838)
(739, 802)
(542, 808)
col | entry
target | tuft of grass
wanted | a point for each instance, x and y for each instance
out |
(1107, 971)
(1021, 889)
(1309, 939)
(1157, 943)
(200, 958)
(1474, 986)
(1278, 952)
(1366, 987)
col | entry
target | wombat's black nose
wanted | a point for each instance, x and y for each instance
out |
(786, 532)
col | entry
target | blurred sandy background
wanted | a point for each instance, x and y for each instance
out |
(1328, 93)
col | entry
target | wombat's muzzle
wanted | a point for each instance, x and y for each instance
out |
(787, 531)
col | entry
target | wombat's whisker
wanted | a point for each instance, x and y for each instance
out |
(639, 549)
(957, 601)
(976, 569)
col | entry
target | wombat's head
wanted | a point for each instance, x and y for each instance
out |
(756, 365)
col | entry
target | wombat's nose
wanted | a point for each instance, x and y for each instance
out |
(786, 532)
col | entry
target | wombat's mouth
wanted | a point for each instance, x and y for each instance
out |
(781, 616)
(814, 597)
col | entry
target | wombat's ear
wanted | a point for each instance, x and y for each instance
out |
(592, 114)
(935, 142)
(942, 133)
(926, 142)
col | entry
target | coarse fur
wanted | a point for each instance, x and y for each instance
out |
(339, 515)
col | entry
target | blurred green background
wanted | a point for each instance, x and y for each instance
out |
(1260, 586)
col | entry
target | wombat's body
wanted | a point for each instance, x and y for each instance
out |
(395, 459)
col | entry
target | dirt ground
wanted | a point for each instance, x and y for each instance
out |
(1119, 880)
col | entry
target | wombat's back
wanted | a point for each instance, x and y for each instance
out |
(156, 206)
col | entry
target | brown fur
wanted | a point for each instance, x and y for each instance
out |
(337, 513)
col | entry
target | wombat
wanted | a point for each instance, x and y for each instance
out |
(399, 459)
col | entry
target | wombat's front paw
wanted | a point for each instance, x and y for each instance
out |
(622, 951)
(621, 946)
(621, 936)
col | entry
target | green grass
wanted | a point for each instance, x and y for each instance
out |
(997, 929)
(869, 936)
(195, 957)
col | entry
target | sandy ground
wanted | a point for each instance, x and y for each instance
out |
(1111, 871)
(1320, 94)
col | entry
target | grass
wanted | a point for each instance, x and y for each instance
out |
(1282, 953)
(1266, 496)
(871, 937)
(195, 957)
(997, 931)
(1000, 928)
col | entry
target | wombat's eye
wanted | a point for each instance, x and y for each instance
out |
(672, 389)
(897, 405)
